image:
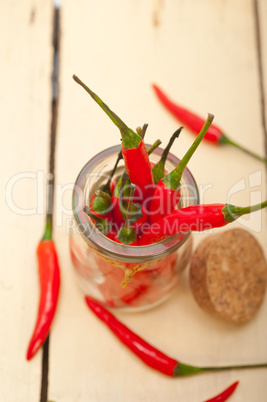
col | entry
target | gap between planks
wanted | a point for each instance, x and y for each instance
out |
(260, 70)
(51, 169)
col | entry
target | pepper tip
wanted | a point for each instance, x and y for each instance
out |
(29, 354)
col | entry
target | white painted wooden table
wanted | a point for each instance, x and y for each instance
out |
(203, 54)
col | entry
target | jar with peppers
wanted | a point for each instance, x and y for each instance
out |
(116, 275)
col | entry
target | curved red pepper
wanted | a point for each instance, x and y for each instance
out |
(148, 353)
(133, 147)
(189, 119)
(49, 277)
(214, 135)
(195, 218)
(223, 396)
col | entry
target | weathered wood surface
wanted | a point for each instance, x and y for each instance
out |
(25, 53)
(204, 55)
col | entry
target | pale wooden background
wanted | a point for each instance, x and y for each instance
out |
(204, 54)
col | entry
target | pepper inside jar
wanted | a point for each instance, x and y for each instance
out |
(117, 275)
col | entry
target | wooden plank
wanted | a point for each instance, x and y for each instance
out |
(261, 11)
(25, 52)
(204, 55)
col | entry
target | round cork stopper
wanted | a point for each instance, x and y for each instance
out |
(228, 275)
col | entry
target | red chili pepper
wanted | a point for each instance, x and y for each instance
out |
(223, 396)
(136, 163)
(102, 202)
(196, 218)
(214, 135)
(167, 191)
(148, 353)
(119, 193)
(132, 164)
(133, 148)
(49, 277)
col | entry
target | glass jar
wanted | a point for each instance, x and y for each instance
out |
(117, 275)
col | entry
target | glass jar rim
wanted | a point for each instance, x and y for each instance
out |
(108, 247)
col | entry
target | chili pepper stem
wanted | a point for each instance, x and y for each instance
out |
(127, 234)
(123, 186)
(129, 209)
(180, 168)
(142, 131)
(48, 228)
(231, 212)
(158, 169)
(101, 193)
(130, 139)
(153, 147)
(168, 147)
(106, 187)
(86, 209)
(173, 179)
(124, 179)
(183, 369)
(100, 223)
(240, 367)
(226, 140)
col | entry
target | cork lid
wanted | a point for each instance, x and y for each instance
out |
(228, 275)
